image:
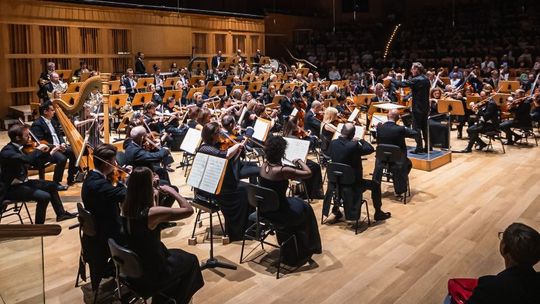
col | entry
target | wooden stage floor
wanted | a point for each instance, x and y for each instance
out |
(448, 229)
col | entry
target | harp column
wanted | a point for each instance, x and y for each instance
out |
(106, 111)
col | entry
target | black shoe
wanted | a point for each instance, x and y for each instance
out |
(381, 216)
(66, 216)
(459, 136)
(481, 146)
(418, 151)
(71, 182)
(61, 187)
(337, 215)
(466, 150)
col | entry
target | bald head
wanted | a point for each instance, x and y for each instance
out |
(138, 133)
(348, 130)
(393, 115)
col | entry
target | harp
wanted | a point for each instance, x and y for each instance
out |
(73, 106)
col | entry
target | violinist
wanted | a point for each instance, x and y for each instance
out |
(268, 96)
(203, 117)
(227, 107)
(380, 94)
(233, 196)
(468, 91)
(488, 114)
(230, 135)
(137, 156)
(520, 105)
(286, 105)
(154, 121)
(314, 182)
(102, 199)
(342, 106)
(250, 117)
(158, 80)
(174, 122)
(14, 164)
(312, 122)
(156, 98)
(328, 128)
(48, 129)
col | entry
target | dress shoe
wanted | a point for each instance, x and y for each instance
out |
(71, 182)
(381, 216)
(66, 216)
(61, 187)
(481, 146)
(466, 150)
(418, 151)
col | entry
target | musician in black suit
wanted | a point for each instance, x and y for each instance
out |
(347, 150)
(420, 86)
(391, 134)
(137, 156)
(489, 121)
(140, 68)
(15, 175)
(217, 59)
(519, 282)
(47, 128)
(129, 82)
(311, 122)
(286, 105)
(102, 199)
(522, 117)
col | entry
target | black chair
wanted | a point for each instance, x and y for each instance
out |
(128, 270)
(339, 177)
(492, 136)
(264, 200)
(14, 208)
(389, 156)
(206, 205)
(525, 133)
(87, 228)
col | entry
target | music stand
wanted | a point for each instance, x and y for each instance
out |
(118, 100)
(142, 83)
(223, 66)
(194, 79)
(210, 84)
(64, 75)
(264, 77)
(141, 98)
(229, 79)
(218, 91)
(170, 82)
(450, 107)
(114, 86)
(508, 86)
(199, 65)
(248, 78)
(289, 86)
(192, 92)
(176, 94)
(255, 87)
(303, 71)
(264, 60)
(501, 98)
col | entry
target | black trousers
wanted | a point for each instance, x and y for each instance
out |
(40, 191)
(400, 172)
(420, 125)
(474, 133)
(61, 159)
(507, 126)
(352, 198)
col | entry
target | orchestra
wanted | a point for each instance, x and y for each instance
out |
(295, 106)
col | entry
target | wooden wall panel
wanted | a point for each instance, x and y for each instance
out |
(106, 37)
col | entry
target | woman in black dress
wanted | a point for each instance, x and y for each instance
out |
(161, 266)
(293, 213)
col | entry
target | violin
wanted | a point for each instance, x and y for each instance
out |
(33, 142)
(117, 175)
(227, 141)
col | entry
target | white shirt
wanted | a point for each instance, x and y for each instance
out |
(56, 140)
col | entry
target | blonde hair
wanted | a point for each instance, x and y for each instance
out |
(330, 114)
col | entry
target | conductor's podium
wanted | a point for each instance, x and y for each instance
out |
(425, 162)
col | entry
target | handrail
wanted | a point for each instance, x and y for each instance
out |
(24, 231)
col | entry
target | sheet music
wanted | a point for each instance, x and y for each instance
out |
(197, 170)
(294, 112)
(296, 149)
(261, 129)
(376, 119)
(353, 115)
(215, 167)
(191, 141)
(359, 131)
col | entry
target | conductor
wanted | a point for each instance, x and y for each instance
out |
(419, 84)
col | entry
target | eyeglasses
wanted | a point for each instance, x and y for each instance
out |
(500, 235)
